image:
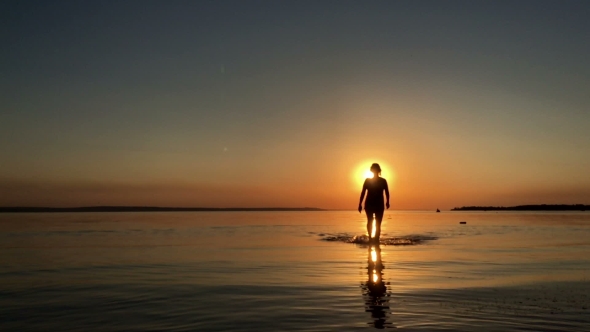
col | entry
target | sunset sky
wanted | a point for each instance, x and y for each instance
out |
(287, 103)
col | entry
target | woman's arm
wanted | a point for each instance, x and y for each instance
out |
(362, 196)
(386, 194)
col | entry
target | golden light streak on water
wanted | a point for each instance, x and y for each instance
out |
(373, 230)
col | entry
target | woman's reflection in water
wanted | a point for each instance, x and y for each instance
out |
(375, 290)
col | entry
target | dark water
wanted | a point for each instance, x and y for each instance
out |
(279, 271)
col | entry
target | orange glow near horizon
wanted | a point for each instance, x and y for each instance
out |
(413, 185)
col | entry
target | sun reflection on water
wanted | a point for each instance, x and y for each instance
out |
(375, 291)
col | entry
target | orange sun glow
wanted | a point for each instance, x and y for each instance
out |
(362, 171)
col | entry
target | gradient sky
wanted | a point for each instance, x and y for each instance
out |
(286, 103)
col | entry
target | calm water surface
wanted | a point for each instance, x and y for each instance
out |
(274, 271)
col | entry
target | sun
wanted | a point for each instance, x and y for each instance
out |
(361, 172)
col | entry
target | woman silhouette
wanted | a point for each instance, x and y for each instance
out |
(374, 203)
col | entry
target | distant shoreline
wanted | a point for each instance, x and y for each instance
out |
(144, 209)
(541, 207)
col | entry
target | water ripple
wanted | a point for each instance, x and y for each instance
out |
(407, 240)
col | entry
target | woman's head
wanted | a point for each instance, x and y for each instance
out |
(376, 169)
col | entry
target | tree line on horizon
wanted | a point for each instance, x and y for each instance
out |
(539, 207)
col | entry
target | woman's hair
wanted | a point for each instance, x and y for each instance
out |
(376, 168)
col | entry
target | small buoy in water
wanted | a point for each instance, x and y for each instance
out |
(437, 210)
(463, 222)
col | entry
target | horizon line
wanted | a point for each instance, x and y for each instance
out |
(140, 208)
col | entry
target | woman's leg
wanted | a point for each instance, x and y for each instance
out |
(369, 214)
(378, 220)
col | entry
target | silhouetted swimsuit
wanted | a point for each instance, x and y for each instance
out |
(374, 201)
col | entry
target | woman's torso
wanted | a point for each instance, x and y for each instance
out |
(375, 188)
